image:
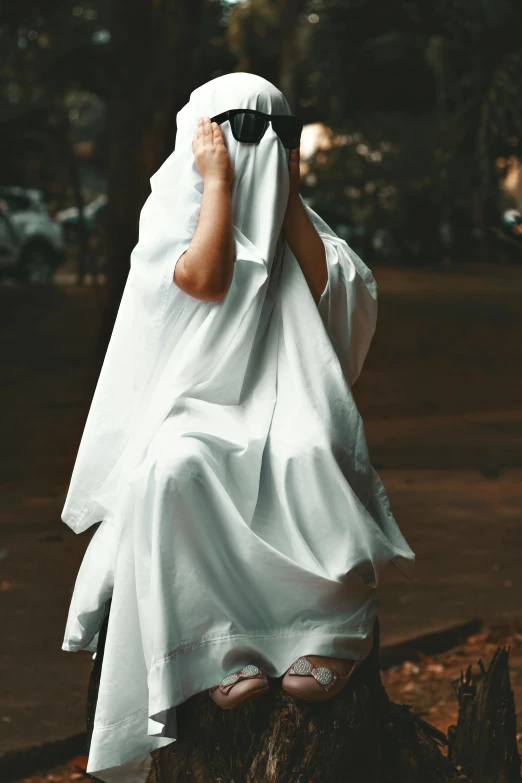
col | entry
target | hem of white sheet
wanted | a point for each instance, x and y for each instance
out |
(120, 751)
(79, 647)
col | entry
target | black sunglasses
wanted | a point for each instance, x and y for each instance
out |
(249, 125)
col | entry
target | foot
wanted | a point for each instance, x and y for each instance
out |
(318, 678)
(245, 685)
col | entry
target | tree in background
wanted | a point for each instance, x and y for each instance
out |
(479, 58)
(160, 51)
(265, 36)
(152, 65)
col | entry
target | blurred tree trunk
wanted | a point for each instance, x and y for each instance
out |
(290, 11)
(263, 34)
(152, 46)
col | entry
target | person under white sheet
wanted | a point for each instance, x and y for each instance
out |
(243, 528)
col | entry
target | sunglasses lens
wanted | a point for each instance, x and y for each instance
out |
(289, 130)
(248, 127)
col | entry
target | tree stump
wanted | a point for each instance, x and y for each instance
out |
(358, 737)
(483, 743)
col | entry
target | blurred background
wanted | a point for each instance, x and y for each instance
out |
(411, 151)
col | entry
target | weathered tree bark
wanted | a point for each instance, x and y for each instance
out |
(358, 737)
(483, 743)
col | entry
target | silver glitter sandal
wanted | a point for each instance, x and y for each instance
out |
(328, 678)
(248, 684)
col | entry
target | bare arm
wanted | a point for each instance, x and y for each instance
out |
(205, 269)
(304, 241)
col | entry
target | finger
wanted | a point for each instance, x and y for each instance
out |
(218, 136)
(207, 130)
(199, 127)
(216, 133)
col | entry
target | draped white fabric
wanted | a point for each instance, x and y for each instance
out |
(241, 518)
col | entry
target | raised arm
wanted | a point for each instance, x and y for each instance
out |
(301, 235)
(205, 269)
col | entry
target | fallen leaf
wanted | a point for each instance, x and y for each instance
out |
(478, 638)
(436, 668)
(79, 762)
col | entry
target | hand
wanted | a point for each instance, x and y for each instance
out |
(294, 172)
(211, 154)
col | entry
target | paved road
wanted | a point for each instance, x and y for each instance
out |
(441, 398)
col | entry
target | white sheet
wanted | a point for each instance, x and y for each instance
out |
(241, 518)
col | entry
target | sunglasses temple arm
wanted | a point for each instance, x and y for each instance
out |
(219, 118)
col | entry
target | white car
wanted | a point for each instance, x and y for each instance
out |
(31, 242)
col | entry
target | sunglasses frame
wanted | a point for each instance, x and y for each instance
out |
(231, 113)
